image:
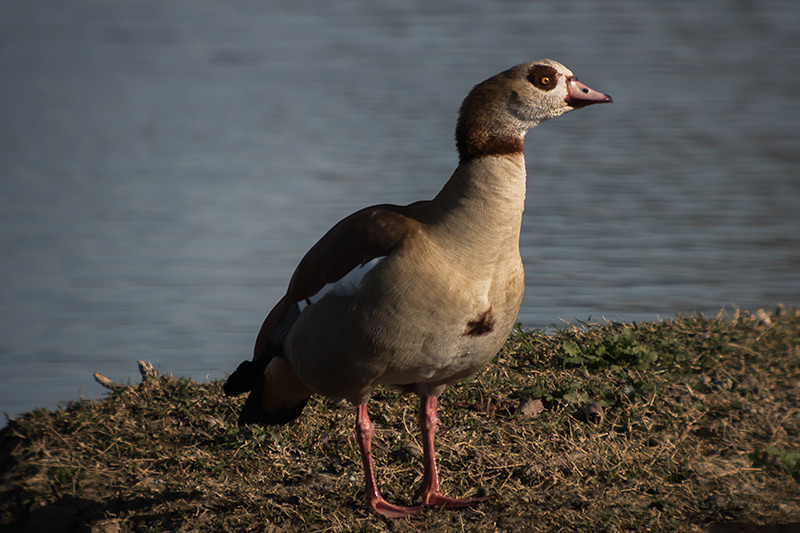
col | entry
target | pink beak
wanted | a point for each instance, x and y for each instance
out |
(579, 95)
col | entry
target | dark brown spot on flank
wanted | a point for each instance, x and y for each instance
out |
(543, 77)
(481, 325)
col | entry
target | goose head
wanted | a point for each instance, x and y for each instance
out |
(497, 113)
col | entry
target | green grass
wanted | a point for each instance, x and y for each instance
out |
(693, 422)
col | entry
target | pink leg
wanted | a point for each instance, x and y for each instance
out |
(375, 502)
(431, 495)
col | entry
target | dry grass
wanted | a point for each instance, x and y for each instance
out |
(692, 422)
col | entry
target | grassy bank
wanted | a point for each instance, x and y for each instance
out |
(691, 424)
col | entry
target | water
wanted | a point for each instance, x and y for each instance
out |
(164, 165)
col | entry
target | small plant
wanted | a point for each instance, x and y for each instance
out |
(774, 458)
(65, 476)
(612, 349)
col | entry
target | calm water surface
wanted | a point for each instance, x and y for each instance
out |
(164, 165)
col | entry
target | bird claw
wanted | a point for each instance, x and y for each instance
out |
(437, 499)
(383, 508)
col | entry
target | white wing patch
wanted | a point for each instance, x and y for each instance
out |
(349, 284)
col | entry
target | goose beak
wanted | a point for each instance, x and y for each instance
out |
(579, 95)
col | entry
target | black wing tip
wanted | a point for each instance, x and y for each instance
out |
(245, 376)
(249, 377)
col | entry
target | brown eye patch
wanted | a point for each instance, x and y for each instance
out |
(543, 77)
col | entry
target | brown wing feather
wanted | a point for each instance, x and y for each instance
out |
(357, 239)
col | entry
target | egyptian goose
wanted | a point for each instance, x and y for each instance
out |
(417, 296)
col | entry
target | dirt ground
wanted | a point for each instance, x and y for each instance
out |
(690, 424)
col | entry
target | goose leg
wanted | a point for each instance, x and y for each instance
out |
(429, 490)
(365, 429)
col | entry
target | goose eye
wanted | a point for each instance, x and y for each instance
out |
(543, 77)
